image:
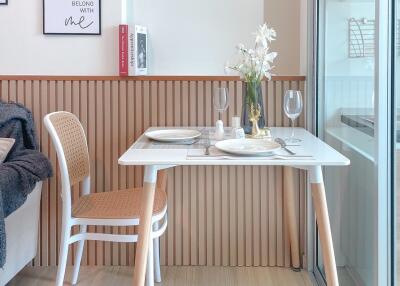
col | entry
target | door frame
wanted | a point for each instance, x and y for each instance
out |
(385, 138)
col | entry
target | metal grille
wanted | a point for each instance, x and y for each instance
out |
(361, 38)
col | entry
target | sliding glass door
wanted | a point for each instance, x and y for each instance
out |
(396, 142)
(352, 117)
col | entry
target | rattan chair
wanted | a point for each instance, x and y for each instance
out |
(114, 208)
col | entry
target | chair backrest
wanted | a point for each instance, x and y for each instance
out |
(69, 140)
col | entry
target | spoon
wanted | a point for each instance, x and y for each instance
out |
(282, 142)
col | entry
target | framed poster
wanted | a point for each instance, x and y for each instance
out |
(71, 17)
(3, 2)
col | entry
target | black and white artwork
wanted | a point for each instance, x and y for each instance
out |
(71, 17)
(3, 2)
(141, 50)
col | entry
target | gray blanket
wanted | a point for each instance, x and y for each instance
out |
(23, 167)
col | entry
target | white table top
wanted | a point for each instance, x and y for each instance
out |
(147, 152)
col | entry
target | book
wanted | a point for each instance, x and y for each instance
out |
(123, 50)
(133, 58)
(131, 51)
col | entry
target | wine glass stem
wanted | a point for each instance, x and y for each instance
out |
(292, 136)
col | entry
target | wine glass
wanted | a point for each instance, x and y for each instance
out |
(221, 100)
(292, 106)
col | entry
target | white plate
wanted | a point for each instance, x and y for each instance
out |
(173, 135)
(248, 146)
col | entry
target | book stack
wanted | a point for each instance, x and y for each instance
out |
(133, 56)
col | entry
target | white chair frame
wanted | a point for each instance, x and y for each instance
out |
(68, 221)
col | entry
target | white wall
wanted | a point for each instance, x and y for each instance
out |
(25, 50)
(195, 37)
(186, 37)
(349, 82)
(336, 40)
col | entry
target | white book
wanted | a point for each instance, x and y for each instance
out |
(137, 50)
(131, 51)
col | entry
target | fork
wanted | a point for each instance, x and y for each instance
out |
(207, 144)
(282, 142)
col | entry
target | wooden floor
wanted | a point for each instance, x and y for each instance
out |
(176, 276)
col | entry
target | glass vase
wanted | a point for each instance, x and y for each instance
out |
(252, 94)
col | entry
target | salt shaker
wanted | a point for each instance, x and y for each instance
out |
(219, 130)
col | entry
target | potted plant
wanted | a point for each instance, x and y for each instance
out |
(253, 65)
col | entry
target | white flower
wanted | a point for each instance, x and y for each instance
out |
(255, 63)
(267, 33)
(271, 56)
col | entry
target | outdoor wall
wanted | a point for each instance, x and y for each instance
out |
(349, 82)
(337, 38)
(186, 37)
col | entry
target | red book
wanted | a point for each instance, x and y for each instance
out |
(123, 50)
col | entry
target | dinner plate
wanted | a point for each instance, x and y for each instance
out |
(173, 135)
(250, 147)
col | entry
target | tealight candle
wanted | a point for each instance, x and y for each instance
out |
(237, 131)
(235, 122)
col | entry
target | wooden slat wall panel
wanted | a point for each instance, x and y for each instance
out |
(228, 216)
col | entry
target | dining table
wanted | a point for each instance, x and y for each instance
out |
(311, 154)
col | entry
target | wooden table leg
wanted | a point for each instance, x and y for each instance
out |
(147, 201)
(324, 228)
(290, 211)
